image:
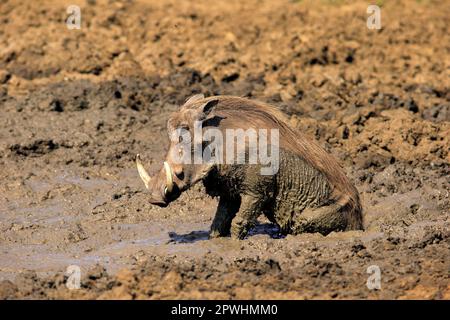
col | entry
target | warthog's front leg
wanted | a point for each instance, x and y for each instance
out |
(246, 217)
(226, 210)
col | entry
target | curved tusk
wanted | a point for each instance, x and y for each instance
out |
(142, 173)
(169, 179)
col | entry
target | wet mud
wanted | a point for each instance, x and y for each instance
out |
(78, 105)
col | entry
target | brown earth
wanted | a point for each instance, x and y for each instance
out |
(77, 105)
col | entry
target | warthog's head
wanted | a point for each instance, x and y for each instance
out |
(179, 171)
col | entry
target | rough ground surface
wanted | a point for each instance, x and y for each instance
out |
(77, 105)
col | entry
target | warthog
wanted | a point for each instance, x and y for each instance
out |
(309, 191)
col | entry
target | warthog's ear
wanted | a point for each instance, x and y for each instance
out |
(208, 107)
(195, 98)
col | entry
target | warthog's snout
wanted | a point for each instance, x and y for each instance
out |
(162, 188)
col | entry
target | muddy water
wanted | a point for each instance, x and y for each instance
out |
(60, 212)
(72, 122)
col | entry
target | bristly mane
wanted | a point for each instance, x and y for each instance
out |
(255, 114)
